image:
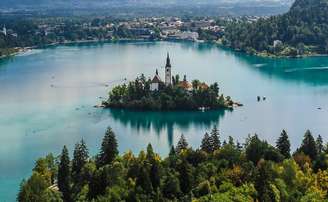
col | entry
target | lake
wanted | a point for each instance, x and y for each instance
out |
(47, 98)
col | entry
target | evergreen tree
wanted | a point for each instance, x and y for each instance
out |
(206, 144)
(143, 180)
(215, 139)
(171, 186)
(263, 181)
(172, 158)
(108, 150)
(185, 171)
(64, 175)
(80, 158)
(182, 144)
(309, 146)
(150, 153)
(172, 151)
(319, 143)
(255, 149)
(283, 144)
(155, 175)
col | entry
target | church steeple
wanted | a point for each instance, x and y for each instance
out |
(168, 62)
(168, 71)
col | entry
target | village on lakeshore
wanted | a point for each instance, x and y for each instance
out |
(168, 94)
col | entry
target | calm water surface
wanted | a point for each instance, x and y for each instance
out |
(47, 98)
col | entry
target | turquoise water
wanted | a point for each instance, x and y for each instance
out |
(47, 98)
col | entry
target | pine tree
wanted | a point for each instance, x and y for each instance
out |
(283, 144)
(143, 180)
(172, 151)
(155, 175)
(64, 175)
(80, 158)
(319, 143)
(150, 153)
(108, 150)
(171, 186)
(206, 144)
(172, 157)
(185, 176)
(216, 144)
(182, 144)
(309, 146)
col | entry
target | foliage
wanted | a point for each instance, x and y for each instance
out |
(137, 95)
(64, 175)
(302, 30)
(108, 150)
(255, 172)
(283, 144)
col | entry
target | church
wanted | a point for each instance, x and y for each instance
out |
(156, 81)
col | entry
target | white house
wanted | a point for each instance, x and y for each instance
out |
(154, 85)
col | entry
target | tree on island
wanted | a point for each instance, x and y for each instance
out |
(180, 95)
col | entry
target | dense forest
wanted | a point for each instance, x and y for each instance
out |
(181, 95)
(301, 31)
(217, 171)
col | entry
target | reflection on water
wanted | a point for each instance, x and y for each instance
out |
(159, 121)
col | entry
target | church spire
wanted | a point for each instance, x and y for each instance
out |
(168, 75)
(168, 62)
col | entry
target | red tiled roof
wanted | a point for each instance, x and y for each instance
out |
(185, 85)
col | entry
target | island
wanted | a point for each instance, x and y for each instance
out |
(170, 94)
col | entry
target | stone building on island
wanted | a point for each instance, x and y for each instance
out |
(154, 85)
(156, 82)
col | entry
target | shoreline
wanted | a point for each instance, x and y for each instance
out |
(19, 50)
(272, 56)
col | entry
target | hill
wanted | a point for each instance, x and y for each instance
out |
(303, 30)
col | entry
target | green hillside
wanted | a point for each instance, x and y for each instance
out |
(303, 30)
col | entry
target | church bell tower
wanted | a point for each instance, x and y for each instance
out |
(168, 75)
